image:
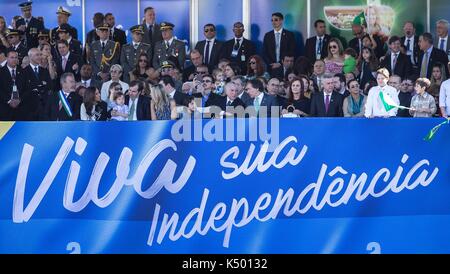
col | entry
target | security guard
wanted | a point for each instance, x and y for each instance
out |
(30, 25)
(74, 45)
(131, 51)
(63, 18)
(13, 37)
(103, 53)
(168, 47)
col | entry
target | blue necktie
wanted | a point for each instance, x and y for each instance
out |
(442, 45)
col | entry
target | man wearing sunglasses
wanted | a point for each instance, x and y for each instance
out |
(277, 43)
(210, 47)
(131, 51)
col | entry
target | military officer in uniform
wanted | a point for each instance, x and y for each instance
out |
(63, 18)
(74, 45)
(168, 47)
(131, 51)
(30, 25)
(103, 53)
(16, 44)
(44, 37)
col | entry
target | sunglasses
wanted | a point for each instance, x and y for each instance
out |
(206, 81)
(252, 63)
(209, 30)
(333, 47)
(118, 89)
(201, 72)
(143, 60)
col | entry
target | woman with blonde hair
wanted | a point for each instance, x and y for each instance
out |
(47, 60)
(3, 28)
(160, 107)
(334, 63)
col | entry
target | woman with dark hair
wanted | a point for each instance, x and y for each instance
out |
(113, 89)
(47, 59)
(93, 108)
(296, 102)
(367, 66)
(230, 71)
(81, 90)
(354, 105)
(307, 90)
(143, 71)
(256, 68)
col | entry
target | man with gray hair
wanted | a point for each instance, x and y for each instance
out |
(38, 85)
(240, 82)
(116, 72)
(65, 104)
(231, 101)
(442, 42)
(327, 103)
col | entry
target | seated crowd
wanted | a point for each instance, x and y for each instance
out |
(48, 75)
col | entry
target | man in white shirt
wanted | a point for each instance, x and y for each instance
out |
(374, 104)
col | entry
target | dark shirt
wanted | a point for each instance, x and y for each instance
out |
(303, 104)
(405, 100)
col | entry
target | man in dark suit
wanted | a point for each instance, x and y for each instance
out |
(240, 83)
(67, 62)
(429, 56)
(210, 48)
(38, 85)
(442, 41)
(138, 104)
(411, 42)
(327, 103)
(16, 44)
(168, 84)
(29, 24)
(263, 104)
(396, 62)
(316, 47)
(277, 43)
(287, 67)
(64, 104)
(230, 105)
(87, 77)
(63, 18)
(196, 60)
(116, 35)
(13, 93)
(74, 45)
(359, 26)
(238, 50)
(205, 92)
(152, 30)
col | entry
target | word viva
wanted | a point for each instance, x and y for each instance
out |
(334, 187)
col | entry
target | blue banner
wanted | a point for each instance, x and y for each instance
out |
(318, 186)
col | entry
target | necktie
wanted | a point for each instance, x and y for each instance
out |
(85, 84)
(36, 73)
(327, 103)
(237, 44)
(424, 68)
(103, 45)
(230, 103)
(150, 30)
(207, 53)
(64, 63)
(132, 110)
(136, 46)
(408, 44)
(167, 45)
(319, 49)
(442, 44)
(13, 75)
(277, 46)
(394, 62)
(257, 104)
(360, 46)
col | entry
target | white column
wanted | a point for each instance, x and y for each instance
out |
(193, 14)
(246, 13)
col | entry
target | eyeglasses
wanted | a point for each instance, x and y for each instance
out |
(333, 47)
(143, 60)
(210, 30)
